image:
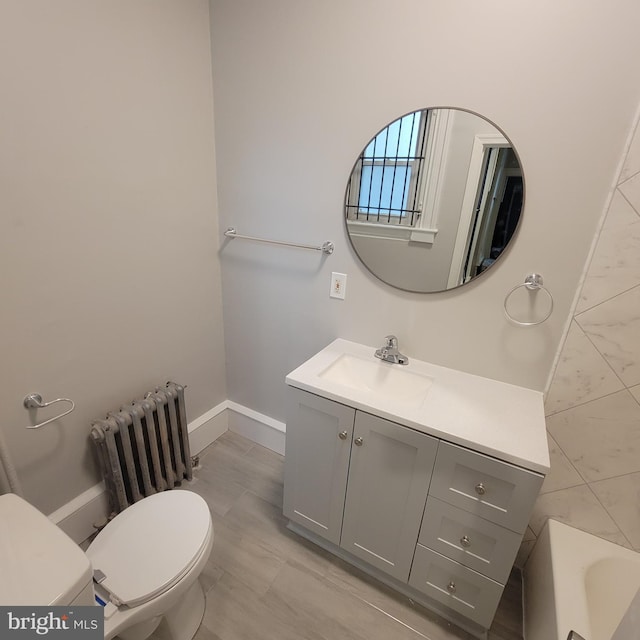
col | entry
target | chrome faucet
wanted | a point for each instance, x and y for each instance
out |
(390, 353)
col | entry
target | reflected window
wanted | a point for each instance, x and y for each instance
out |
(386, 183)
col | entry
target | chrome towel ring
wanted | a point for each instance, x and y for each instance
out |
(34, 401)
(533, 282)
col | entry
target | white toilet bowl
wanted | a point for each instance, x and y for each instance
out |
(146, 564)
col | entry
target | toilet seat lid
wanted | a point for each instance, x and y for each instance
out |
(148, 547)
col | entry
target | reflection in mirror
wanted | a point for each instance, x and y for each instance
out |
(434, 199)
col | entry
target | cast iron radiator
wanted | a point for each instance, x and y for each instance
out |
(144, 447)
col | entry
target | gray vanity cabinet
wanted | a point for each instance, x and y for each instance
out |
(387, 489)
(319, 434)
(431, 518)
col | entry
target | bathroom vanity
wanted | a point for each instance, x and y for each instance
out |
(423, 476)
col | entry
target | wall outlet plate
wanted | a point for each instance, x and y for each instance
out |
(338, 285)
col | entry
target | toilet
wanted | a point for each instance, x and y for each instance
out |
(142, 568)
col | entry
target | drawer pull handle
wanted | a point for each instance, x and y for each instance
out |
(358, 441)
(465, 542)
(480, 490)
(343, 435)
(451, 587)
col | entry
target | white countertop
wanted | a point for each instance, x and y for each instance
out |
(495, 418)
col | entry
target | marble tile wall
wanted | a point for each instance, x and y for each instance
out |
(593, 404)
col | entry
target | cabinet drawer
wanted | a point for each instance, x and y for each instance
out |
(459, 588)
(492, 489)
(472, 541)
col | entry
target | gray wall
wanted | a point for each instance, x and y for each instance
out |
(110, 277)
(299, 87)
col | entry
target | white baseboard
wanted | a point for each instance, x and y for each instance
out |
(256, 426)
(77, 517)
(208, 427)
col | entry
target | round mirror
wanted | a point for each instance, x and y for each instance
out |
(434, 199)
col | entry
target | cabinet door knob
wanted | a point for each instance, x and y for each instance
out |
(465, 541)
(480, 490)
(451, 587)
(358, 441)
(343, 435)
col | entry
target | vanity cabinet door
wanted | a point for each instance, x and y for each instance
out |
(316, 463)
(389, 479)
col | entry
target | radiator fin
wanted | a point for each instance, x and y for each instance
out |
(144, 447)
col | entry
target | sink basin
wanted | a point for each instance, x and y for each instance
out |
(382, 378)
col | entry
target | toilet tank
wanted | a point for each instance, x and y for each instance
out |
(39, 563)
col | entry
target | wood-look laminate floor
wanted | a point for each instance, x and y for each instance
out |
(264, 582)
